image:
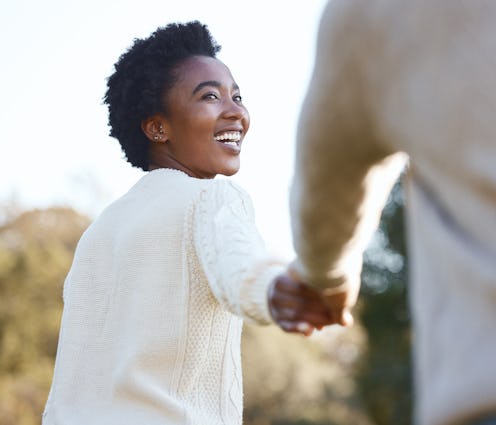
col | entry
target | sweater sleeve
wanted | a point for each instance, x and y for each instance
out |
(232, 253)
(343, 171)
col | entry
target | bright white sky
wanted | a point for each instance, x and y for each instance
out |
(54, 144)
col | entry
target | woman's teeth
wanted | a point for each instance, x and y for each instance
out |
(231, 138)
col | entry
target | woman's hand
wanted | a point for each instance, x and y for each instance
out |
(297, 307)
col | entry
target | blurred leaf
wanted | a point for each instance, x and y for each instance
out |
(358, 376)
(384, 377)
(36, 249)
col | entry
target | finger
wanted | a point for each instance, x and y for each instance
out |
(299, 305)
(345, 318)
(304, 328)
(314, 318)
(285, 284)
(286, 314)
(317, 315)
(282, 299)
(296, 327)
(311, 301)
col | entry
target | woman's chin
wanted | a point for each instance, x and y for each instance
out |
(230, 173)
(230, 169)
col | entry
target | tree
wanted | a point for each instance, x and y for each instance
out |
(384, 375)
(351, 376)
(358, 376)
(36, 249)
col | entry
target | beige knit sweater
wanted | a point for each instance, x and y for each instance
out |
(153, 304)
(417, 76)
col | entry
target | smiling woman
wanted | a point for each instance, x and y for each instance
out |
(205, 124)
(161, 280)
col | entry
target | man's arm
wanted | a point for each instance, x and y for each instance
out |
(343, 172)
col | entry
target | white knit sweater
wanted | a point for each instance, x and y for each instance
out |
(418, 77)
(151, 325)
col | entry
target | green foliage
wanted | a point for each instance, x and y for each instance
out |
(293, 380)
(358, 376)
(384, 375)
(361, 377)
(36, 250)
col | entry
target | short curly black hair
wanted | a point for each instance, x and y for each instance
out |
(142, 76)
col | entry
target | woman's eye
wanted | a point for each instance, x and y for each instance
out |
(210, 96)
(238, 98)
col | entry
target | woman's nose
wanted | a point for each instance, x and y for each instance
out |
(234, 110)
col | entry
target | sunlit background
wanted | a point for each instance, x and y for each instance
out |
(55, 152)
(57, 54)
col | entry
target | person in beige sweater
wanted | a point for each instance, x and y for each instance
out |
(399, 82)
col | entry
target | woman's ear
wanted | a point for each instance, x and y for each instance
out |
(154, 128)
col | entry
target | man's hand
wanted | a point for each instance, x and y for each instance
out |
(340, 303)
(297, 307)
(301, 308)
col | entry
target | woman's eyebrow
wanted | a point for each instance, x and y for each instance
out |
(206, 83)
(212, 83)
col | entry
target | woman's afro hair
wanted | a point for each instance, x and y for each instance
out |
(143, 74)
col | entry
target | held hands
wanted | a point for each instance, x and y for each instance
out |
(301, 308)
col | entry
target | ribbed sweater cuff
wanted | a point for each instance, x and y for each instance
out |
(255, 294)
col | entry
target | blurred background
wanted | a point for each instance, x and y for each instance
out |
(357, 376)
(59, 169)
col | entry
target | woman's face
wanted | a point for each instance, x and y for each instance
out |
(206, 120)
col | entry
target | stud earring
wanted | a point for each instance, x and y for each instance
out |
(155, 137)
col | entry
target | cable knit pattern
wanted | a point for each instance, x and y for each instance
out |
(153, 305)
(233, 254)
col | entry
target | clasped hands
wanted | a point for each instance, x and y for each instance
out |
(300, 308)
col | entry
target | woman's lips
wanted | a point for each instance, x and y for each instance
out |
(234, 147)
(230, 139)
